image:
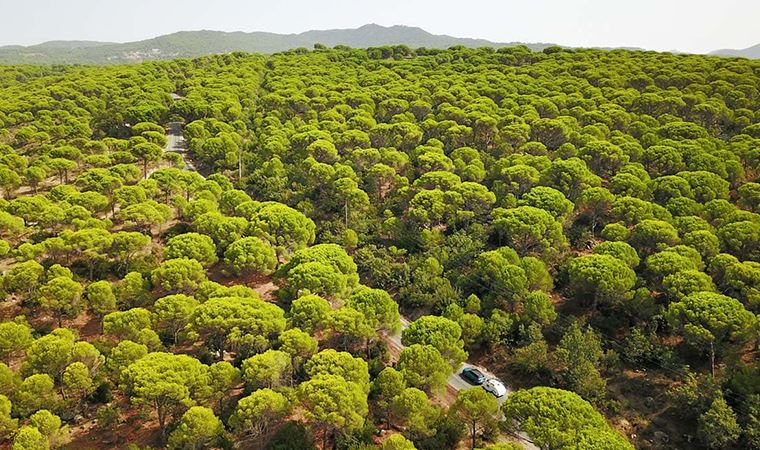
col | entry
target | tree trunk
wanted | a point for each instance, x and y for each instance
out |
(712, 359)
(161, 421)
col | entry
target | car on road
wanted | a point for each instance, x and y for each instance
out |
(473, 376)
(495, 387)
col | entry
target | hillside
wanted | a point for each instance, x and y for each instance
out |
(188, 44)
(749, 52)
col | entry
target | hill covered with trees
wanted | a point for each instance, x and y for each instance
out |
(190, 44)
(584, 224)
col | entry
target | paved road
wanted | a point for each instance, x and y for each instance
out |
(455, 382)
(176, 143)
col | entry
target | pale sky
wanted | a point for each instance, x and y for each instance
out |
(686, 25)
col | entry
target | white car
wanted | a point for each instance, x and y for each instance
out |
(495, 387)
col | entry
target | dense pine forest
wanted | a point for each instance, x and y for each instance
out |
(300, 251)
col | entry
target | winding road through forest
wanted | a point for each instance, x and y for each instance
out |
(176, 143)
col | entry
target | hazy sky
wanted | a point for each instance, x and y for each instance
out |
(687, 25)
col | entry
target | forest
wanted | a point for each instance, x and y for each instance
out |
(301, 250)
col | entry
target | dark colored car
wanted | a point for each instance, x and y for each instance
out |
(473, 376)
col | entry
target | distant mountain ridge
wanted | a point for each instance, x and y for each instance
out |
(749, 52)
(188, 44)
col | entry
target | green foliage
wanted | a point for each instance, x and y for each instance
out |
(377, 306)
(324, 269)
(171, 313)
(146, 215)
(223, 377)
(439, 332)
(476, 408)
(100, 297)
(423, 367)
(35, 393)
(331, 362)
(503, 446)
(270, 369)
(50, 426)
(291, 435)
(651, 235)
(15, 337)
(686, 282)
(412, 408)
(387, 385)
(538, 308)
(180, 275)
(146, 152)
(24, 278)
(351, 326)
(30, 438)
(9, 380)
(577, 358)
(333, 403)
(285, 228)
(397, 442)
(473, 189)
(706, 318)
(7, 423)
(310, 313)
(256, 413)
(198, 428)
(529, 230)
(164, 380)
(77, 381)
(619, 250)
(250, 255)
(554, 418)
(601, 278)
(125, 353)
(51, 353)
(229, 323)
(548, 199)
(192, 246)
(717, 426)
(131, 324)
